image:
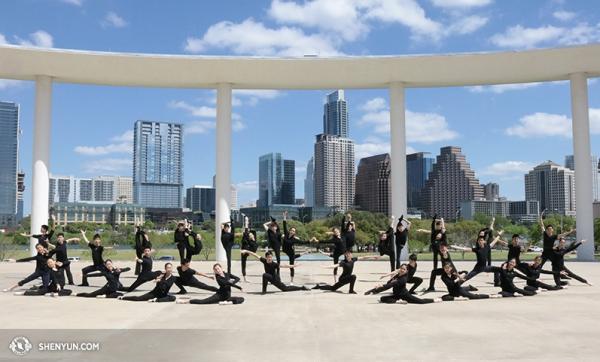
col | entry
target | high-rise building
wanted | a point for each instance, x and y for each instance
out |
(335, 115)
(276, 180)
(570, 164)
(418, 166)
(200, 199)
(158, 164)
(373, 184)
(9, 162)
(20, 191)
(553, 186)
(450, 182)
(334, 172)
(309, 184)
(104, 189)
(491, 191)
(100, 189)
(234, 198)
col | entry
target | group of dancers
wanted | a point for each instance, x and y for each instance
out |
(52, 264)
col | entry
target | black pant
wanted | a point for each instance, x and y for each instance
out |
(244, 259)
(67, 270)
(292, 257)
(510, 292)
(534, 286)
(268, 278)
(193, 283)
(336, 258)
(143, 278)
(463, 292)
(45, 275)
(390, 299)
(88, 269)
(573, 275)
(415, 281)
(399, 248)
(184, 251)
(138, 266)
(42, 291)
(392, 260)
(277, 252)
(344, 279)
(436, 254)
(105, 290)
(216, 298)
(228, 255)
(477, 269)
(150, 295)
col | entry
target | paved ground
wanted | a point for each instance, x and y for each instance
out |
(310, 326)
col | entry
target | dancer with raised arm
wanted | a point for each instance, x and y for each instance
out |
(160, 293)
(481, 250)
(142, 241)
(386, 244)
(437, 237)
(61, 255)
(248, 243)
(445, 258)
(410, 276)
(271, 274)
(181, 237)
(456, 291)
(550, 239)
(97, 260)
(41, 268)
(226, 281)
(401, 237)
(399, 292)
(290, 239)
(339, 247)
(507, 273)
(348, 231)
(559, 257)
(187, 278)
(533, 270)
(112, 286)
(228, 240)
(274, 239)
(347, 265)
(45, 235)
(487, 234)
(146, 273)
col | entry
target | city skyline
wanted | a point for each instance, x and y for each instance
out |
(494, 125)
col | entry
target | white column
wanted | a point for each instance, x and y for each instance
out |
(223, 167)
(398, 151)
(583, 165)
(40, 184)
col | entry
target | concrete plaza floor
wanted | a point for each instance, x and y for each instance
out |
(311, 325)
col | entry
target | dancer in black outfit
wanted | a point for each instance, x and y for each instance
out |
(289, 240)
(410, 276)
(146, 273)
(228, 240)
(481, 250)
(398, 285)
(248, 243)
(386, 244)
(41, 268)
(61, 255)
(45, 235)
(226, 281)
(347, 265)
(339, 247)
(549, 241)
(98, 262)
(348, 231)
(112, 286)
(274, 239)
(160, 293)
(182, 240)
(437, 237)
(514, 248)
(559, 257)
(401, 236)
(533, 270)
(453, 282)
(187, 278)
(142, 241)
(57, 282)
(507, 273)
(487, 234)
(271, 274)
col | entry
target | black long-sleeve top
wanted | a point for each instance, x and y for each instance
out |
(146, 264)
(196, 240)
(274, 238)
(61, 252)
(401, 236)
(397, 284)
(481, 253)
(289, 241)
(514, 252)
(44, 239)
(453, 283)
(270, 268)
(163, 285)
(248, 244)
(532, 272)
(181, 238)
(411, 270)
(387, 246)
(228, 238)
(97, 251)
(435, 243)
(549, 242)
(140, 241)
(507, 276)
(339, 246)
(447, 259)
(57, 278)
(348, 235)
(347, 267)
(40, 261)
(226, 282)
(559, 254)
(112, 277)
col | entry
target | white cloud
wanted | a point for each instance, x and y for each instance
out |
(466, 25)
(113, 20)
(521, 37)
(10, 83)
(73, 2)
(198, 111)
(251, 97)
(199, 127)
(501, 88)
(507, 168)
(108, 166)
(40, 38)
(247, 185)
(563, 15)
(541, 125)
(372, 146)
(420, 127)
(3, 39)
(595, 120)
(126, 136)
(461, 4)
(253, 38)
(122, 143)
(238, 125)
(406, 12)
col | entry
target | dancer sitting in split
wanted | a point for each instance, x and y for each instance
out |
(559, 253)
(533, 270)
(290, 239)
(399, 292)
(410, 277)
(160, 293)
(112, 286)
(146, 273)
(274, 239)
(386, 244)
(339, 247)
(142, 241)
(228, 240)
(456, 291)
(347, 265)
(271, 274)
(57, 282)
(61, 255)
(437, 237)
(248, 243)
(98, 262)
(181, 238)
(401, 237)
(41, 269)
(445, 258)
(481, 250)
(187, 278)
(507, 273)
(45, 235)
(226, 281)
(348, 231)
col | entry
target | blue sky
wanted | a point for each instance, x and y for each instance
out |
(503, 130)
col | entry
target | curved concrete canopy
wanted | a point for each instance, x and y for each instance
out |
(184, 71)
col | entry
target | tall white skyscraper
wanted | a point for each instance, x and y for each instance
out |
(309, 184)
(570, 164)
(553, 186)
